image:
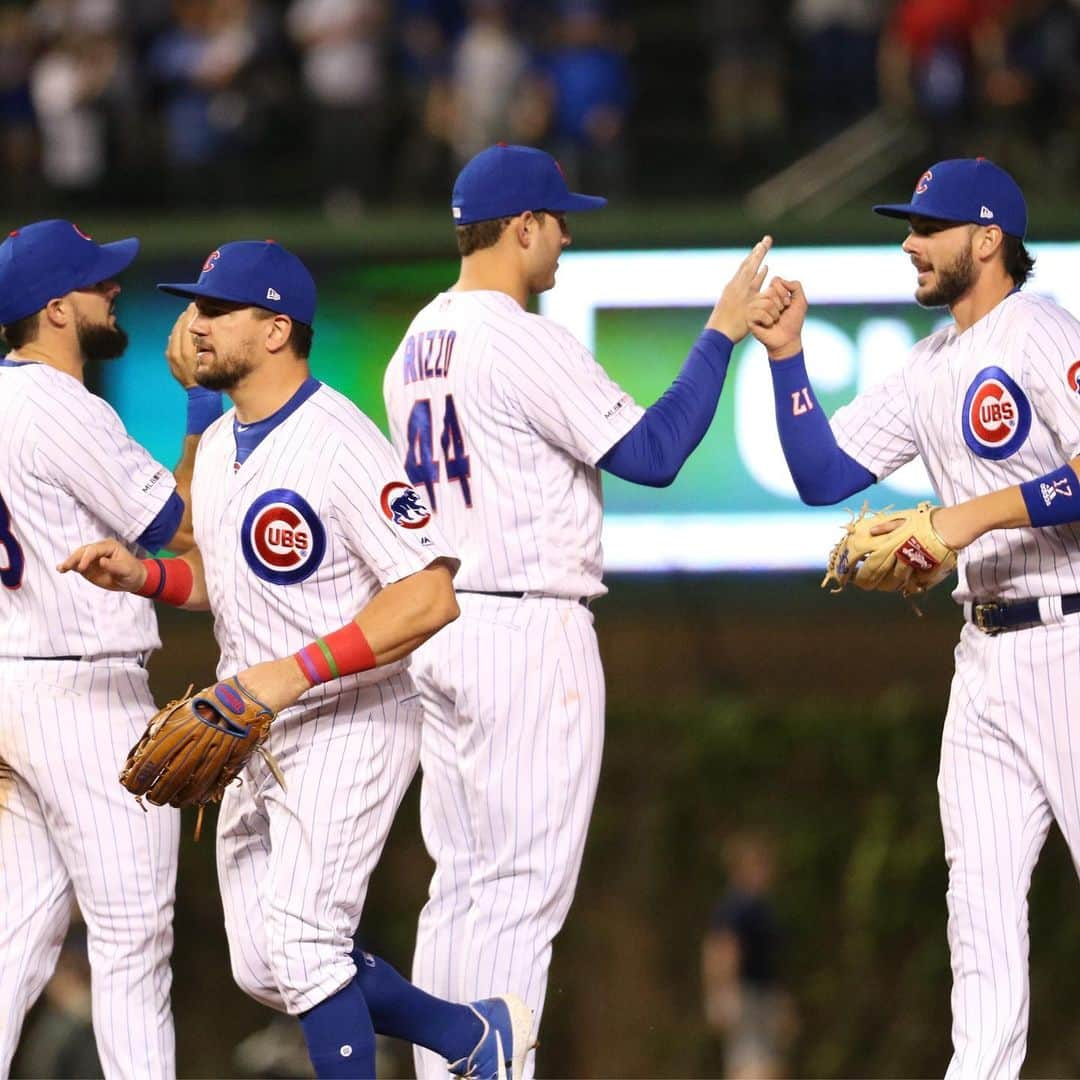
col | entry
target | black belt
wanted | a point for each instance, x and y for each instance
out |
(140, 659)
(997, 615)
(583, 600)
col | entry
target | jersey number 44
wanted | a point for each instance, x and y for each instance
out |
(421, 465)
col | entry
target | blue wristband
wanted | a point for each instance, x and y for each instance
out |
(203, 408)
(1053, 499)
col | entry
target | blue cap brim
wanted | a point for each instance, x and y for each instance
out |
(575, 203)
(193, 290)
(112, 259)
(907, 210)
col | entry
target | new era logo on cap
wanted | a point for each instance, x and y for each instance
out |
(272, 294)
(985, 212)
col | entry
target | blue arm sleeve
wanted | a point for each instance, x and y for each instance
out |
(163, 528)
(653, 451)
(823, 473)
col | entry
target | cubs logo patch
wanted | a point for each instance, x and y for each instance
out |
(1072, 377)
(997, 415)
(924, 182)
(282, 538)
(403, 507)
(211, 259)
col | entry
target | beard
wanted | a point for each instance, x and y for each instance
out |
(952, 282)
(226, 372)
(100, 341)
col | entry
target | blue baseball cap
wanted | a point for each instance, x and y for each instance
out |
(504, 181)
(49, 259)
(966, 190)
(257, 273)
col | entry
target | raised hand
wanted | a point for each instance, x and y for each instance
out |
(776, 318)
(180, 349)
(108, 565)
(730, 314)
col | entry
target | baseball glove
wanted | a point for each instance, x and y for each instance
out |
(909, 559)
(194, 748)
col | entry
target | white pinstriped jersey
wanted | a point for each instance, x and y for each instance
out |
(500, 417)
(993, 406)
(69, 475)
(301, 536)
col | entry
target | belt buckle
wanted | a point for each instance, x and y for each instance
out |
(981, 615)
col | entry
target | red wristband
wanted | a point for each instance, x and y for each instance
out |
(344, 652)
(167, 580)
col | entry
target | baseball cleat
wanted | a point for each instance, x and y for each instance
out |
(507, 1038)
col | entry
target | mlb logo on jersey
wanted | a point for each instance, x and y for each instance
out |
(282, 538)
(403, 507)
(997, 415)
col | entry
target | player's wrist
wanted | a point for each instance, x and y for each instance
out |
(343, 652)
(203, 408)
(169, 581)
(787, 351)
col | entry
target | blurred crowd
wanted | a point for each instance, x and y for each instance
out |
(352, 103)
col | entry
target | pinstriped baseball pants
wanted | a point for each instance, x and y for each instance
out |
(1010, 764)
(513, 733)
(69, 830)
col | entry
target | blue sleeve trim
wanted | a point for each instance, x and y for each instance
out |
(823, 473)
(163, 528)
(203, 408)
(1053, 499)
(654, 450)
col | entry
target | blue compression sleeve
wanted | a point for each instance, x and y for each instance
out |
(163, 528)
(653, 451)
(823, 473)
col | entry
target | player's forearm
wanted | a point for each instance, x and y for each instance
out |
(1046, 501)
(823, 473)
(656, 448)
(397, 620)
(405, 614)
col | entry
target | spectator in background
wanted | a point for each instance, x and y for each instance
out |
(487, 77)
(582, 93)
(1032, 90)
(343, 62)
(75, 84)
(931, 56)
(747, 66)
(204, 62)
(837, 47)
(744, 1003)
(18, 143)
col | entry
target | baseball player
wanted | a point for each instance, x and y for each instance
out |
(73, 681)
(323, 571)
(991, 405)
(503, 421)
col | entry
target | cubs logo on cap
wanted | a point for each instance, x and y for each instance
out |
(401, 504)
(282, 538)
(210, 260)
(997, 415)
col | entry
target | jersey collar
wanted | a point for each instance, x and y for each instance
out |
(248, 436)
(11, 360)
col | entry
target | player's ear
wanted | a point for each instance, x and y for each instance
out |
(525, 225)
(278, 333)
(58, 312)
(989, 240)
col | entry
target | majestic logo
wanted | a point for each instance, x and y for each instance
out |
(282, 538)
(403, 507)
(1051, 491)
(1072, 377)
(924, 182)
(211, 259)
(997, 416)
